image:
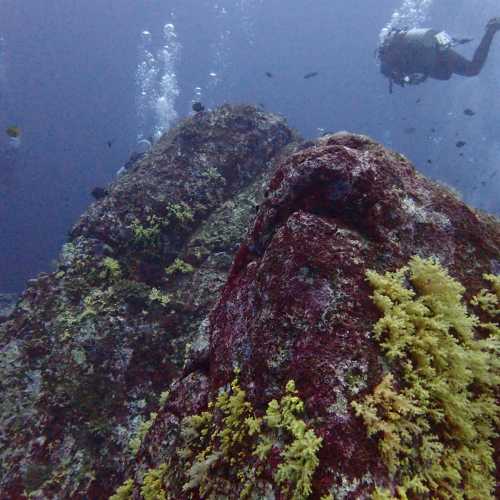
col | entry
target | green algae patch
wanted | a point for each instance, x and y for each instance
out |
(147, 236)
(179, 213)
(434, 414)
(111, 269)
(179, 267)
(136, 441)
(300, 456)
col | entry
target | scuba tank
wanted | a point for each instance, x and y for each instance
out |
(429, 38)
(421, 37)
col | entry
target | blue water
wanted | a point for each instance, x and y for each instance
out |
(68, 78)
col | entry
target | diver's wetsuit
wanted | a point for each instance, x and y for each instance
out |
(410, 57)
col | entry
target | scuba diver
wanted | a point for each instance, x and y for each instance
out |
(409, 57)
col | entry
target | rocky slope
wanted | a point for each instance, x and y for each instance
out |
(307, 372)
(7, 303)
(300, 394)
(90, 347)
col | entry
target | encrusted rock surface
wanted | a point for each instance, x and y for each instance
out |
(128, 313)
(90, 347)
(297, 304)
(7, 303)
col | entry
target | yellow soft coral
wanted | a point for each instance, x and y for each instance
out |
(229, 435)
(124, 492)
(490, 303)
(152, 485)
(436, 425)
(300, 457)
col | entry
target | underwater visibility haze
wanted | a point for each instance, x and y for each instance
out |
(249, 249)
(87, 84)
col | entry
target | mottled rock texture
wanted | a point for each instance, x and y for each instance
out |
(90, 346)
(7, 303)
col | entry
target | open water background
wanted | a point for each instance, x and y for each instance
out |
(68, 79)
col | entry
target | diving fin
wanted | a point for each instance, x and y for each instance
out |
(461, 41)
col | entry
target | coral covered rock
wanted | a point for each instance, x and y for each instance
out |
(7, 303)
(360, 308)
(298, 309)
(90, 347)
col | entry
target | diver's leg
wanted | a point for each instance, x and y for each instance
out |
(461, 66)
(442, 69)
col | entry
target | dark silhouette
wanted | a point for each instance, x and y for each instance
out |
(99, 193)
(197, 107)
(409, 57)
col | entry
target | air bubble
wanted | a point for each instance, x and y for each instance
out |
(157, 84)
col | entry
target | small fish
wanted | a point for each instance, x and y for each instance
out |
(269, 74)
(110, 143)
(460, 144)
(198, 107)
(99, 193)
(410, 130)
(469, 112)
(433, 130)
(429, 162)
(13, 131)
(461, 41)
(461, 154)
(418, 101)
(310, 75)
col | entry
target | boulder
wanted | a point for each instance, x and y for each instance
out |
(247, 316)
(306, 390)
(90, 347)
